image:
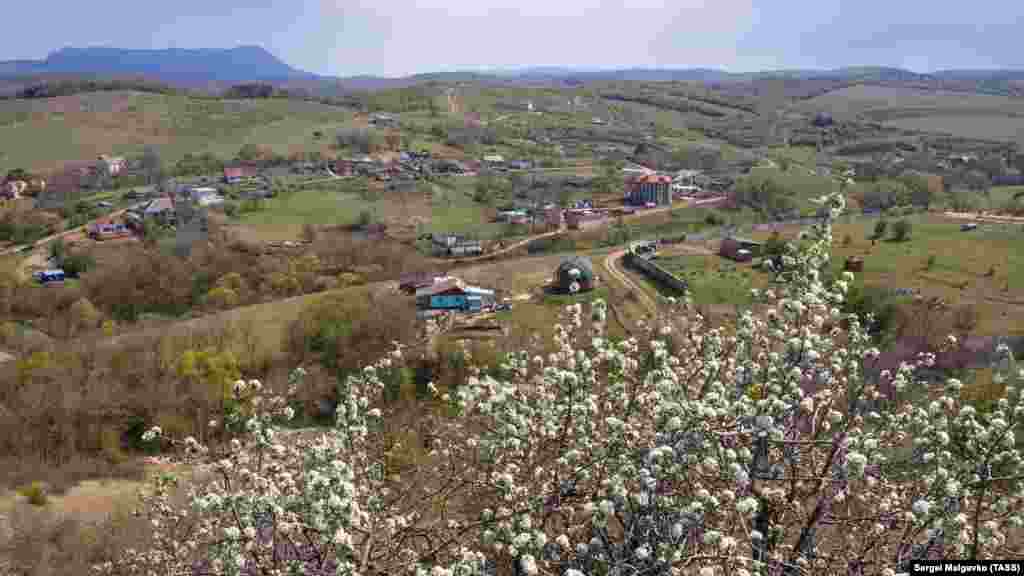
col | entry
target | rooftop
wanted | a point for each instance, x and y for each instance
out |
(441, 287)
(652, 178)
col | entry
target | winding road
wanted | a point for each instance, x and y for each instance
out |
(611, 263)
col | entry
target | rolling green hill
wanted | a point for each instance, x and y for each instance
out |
(43, 134)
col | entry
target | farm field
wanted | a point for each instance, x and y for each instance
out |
(51, 131)
(798, 180)
(888, 102)
(980, 116)
(713, 280)
(283, 217)
(980, 126)
(961, 259)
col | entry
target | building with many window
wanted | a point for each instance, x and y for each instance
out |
(649, 189)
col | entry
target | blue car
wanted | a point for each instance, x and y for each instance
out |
(49, 276)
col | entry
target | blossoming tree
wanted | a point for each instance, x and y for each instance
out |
(770, 447)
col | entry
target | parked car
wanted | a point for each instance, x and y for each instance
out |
(105, 204)
(49, 276)
(502, 306)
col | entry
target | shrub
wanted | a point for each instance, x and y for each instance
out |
(847, 240)
(901, 231)
(880, 227)
(365, 218)
(713, 218)
(930, 263)
(84, 314)
(35, 493)
(77, 264)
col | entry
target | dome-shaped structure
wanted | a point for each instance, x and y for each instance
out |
(822, 120)
(575, 274)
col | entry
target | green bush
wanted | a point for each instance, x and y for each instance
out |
(78, 263)
(35, 493)
(901, 231)
(714, 219)
(880, 227)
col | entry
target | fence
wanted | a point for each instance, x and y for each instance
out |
(656, 273)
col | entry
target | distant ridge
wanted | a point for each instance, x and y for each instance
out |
(176, 65)
(213, 68)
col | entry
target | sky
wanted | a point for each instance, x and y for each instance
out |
(400, 37)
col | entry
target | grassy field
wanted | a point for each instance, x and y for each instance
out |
(960, 273)
(980, 126)
(714, 280)
(427, 208)
(968, 115)
(799, 180)
(1000, 195)
(283, 217)
(889, 102)
(48, 132)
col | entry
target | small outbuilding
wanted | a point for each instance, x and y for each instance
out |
(739, 249)
(854, 264)
(575, 274)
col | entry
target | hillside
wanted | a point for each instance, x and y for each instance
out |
(185, 66)
(212, 68)
(977, 116)
(52, 131)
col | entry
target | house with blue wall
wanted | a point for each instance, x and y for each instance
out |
(453, 294)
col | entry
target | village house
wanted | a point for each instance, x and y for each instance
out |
(454, 294)
(494, 160)
(450, 167)
(633, 170)
(112, 165)
(410, 283)
(239, 174)
(582, 219)
(381, 119)
(649, 189)
(162, 209)
(454, 245)
(210, 199)
(197, 192)
(520, 165)
(513, 216)
(109, 230)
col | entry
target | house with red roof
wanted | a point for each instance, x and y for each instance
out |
(236, 174)
(649, 188)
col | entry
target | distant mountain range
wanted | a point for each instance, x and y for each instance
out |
(216, 67)
(177, 66)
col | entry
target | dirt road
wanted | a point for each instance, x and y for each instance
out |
(503, 251)
(42, 243)
(985, 218)
(612, 263)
